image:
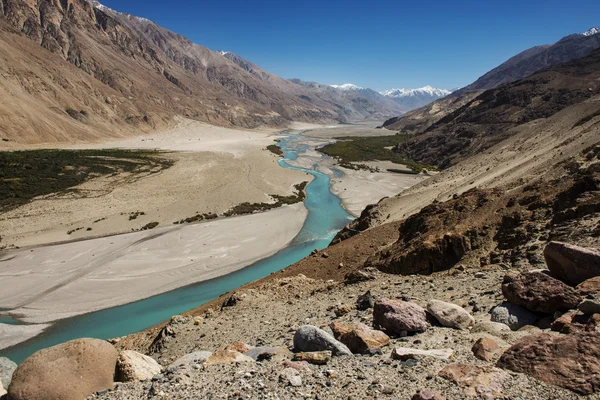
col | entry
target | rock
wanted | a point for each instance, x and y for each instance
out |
(405, 353)
(539, 292)
(2, 390)
(227, 357)
(428, 395)
(290, 376)
(450, 315)
(133, 366)
(563, 321)
(340, 311)
(359, 338)
(571, 263)
(493, 328)
(69, 371)
(324, 255)
(365, 301)
(7, 368)
(589, 306)
(268, 353)
(483, 382)
(314, 357)
(397, 317)
(239, 347)
(165, 334)
(311, 338)
(197, 357)
(589, 286)
(231, 301)
(569, 361)
(512, 315)
(357, 276)
(486, 349)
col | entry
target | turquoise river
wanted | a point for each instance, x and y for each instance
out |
(325, 218)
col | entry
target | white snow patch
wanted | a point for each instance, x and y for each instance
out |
(348, 87)
(591, 32)
(426, 90)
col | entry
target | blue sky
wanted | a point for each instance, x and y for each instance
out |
(378, 43)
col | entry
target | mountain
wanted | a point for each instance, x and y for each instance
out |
(411, 99)
(537, 58)
(75, 70)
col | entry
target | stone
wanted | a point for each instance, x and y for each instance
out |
(396, 317)
(197, 357)
(238, 346)
(365, 301)
(589, 286)
(486, 349)
(493, 328)
(539, 292)
(133, 366)
(268, 353)
(589, 306)
(405, 353)
(572, 263)
(357, 276)
(450, 315)
(311, 338)
(359, 338)
(291, 377)
(69, 371)
(480, 381)
(428, 395)
(2, 390)
(7, 368)
(569, 361)
(562, 322)
(231, 301)
(313, 357)
(342, 310)
(227, 357)
(512, 315)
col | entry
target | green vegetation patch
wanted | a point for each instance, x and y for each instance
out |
(31, 173)
(249, 208)
(351, 149)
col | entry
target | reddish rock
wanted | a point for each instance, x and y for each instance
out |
(239, 347)
(314, 357)
(428, 395)
(483, 382)
(397, 317)
(539, 292)
(406, 353)
(486, 349)
(589, 286)
(572, 263)
(563, 321)
(359, 338)
(569, 361)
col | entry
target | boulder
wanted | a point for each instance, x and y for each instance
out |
(69, 371)
(2, 390)
(197, 357)
(590, 286)
(569, 361)
(428, 395)
(539, 292)
(399, 317)
(562, 322)
(359, 338)
(450, 315)
(486, 349)
(313, 357)
(477, 381)
(290, 376)
(227, 357)
(572, 263)
(493, 328)
(133, 366)
(358, 276)
(268, 353)
(7, 368)
(589, 306)
(311, 338)
(365, 301)
(406, 353)
(512, 315)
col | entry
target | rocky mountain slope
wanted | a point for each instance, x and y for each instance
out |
(76, 70)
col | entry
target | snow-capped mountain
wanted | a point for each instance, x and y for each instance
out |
(415, 98)
(591, 32)
(348, 87)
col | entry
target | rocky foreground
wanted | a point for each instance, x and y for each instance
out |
(466, 332)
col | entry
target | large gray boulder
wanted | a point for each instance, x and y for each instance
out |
(7, 368)
(572, 263)
(69, 371)
(197, 357)
(450, 315)
(514, 316)
(310, 338)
